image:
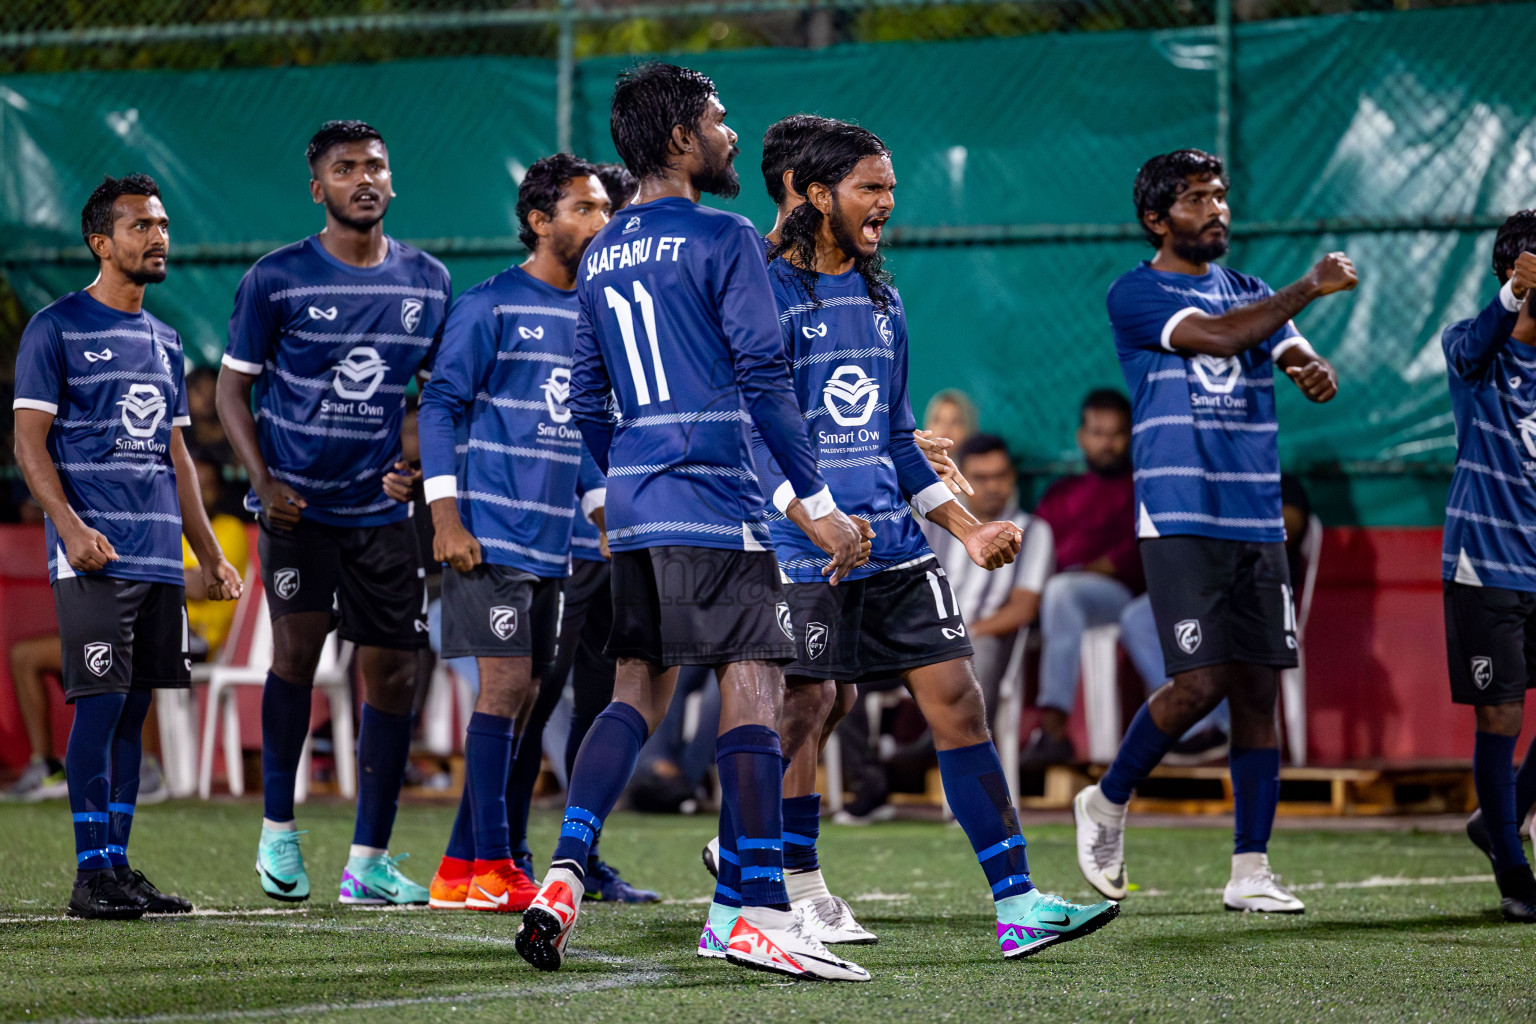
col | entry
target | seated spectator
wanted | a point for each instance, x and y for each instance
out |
(32, 661)
(952, 414)
(1093, 518)
(996, 604)
(209, 621)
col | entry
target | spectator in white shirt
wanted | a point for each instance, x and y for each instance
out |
(998, 604)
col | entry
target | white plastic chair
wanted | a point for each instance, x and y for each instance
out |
(244, 661)
(1100, 653)
(448, 691)
(1293, 681)
(177, 714)
(1010, 710)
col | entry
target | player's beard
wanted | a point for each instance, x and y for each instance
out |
(1196, 251)
(846, 236)
(360, 224)
(143, 275)
(720, 179)
(570, 251)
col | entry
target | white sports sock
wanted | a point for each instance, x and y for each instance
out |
(1245, 865)
(805, 885)
(366, 851)
(278, 826)
(1103, 811)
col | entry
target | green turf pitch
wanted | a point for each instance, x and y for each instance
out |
(1433, 950)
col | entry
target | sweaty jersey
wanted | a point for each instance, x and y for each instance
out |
(1490, 513)
(1203, 434)
(334, 347)
(114, 383)
(501, 380)
(849, 364)
(679, 326)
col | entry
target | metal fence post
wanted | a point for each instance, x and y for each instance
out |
(1224, 82)
(565, 77)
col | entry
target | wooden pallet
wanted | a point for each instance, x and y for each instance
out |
(1420, 788)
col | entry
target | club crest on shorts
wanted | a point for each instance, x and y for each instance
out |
(410, 314)
(503, 621)
(815, 639)
(285, 583)
(1482, 671)
(1187, 635)
(98, 658)
(786, 624)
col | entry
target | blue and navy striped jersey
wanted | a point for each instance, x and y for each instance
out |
(1490, 513)
(334, 347)
(114, 383)
(499, 387)
(679, 327)
(849, 364)
(1204, 435)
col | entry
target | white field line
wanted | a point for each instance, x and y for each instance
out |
(1374, 882)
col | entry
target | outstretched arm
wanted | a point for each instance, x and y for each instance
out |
(1237, 330)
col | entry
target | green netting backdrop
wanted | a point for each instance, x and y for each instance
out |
(1386, 124)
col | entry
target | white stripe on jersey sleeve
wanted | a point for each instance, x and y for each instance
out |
(931, 497)
(1173, 322)
(240, 365)
(36, 403)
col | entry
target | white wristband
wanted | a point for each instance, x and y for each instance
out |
(1507, 297)
(819, 505)
(444, 486)
(931, 497)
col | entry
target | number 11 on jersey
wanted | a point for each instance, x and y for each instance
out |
(622, 309)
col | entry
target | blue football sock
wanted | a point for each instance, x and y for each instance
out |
(603, 768)
(802, 826)
(728, 864)
(1143, 747)
(461, 840)
(978, 794)
(1493, 776)
(1525, 785)
(284, 728)
(1255, 794)
(752, 783)
(88, 768)
(487, 755)
(127, 758)
(383, 745)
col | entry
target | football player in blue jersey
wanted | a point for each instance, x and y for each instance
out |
(679, 330)
(1489, 558)
(1198, 344)
(100, 406)
(894, 617)
(326, 335)
(503, 507)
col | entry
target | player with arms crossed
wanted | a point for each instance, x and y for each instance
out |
(100, 406)
(895, 616)
(1198, 344)
(503, 510)
(1489, 558)
(678, 324)
(327, 333)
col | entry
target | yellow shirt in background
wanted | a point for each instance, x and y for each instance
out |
(211, 619)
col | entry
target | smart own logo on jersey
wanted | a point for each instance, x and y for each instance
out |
(98, 658)
(503, 621)
(143, 409)
(845, 390)
(1218, 374)
(557, 391)
(359, 375)
(410, 314)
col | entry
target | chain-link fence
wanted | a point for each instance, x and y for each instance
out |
(1401, 132)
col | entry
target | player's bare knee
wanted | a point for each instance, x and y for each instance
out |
(1500, 719)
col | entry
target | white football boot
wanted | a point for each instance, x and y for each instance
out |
(1100, 842)
(764, 939)
(1254, 887)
